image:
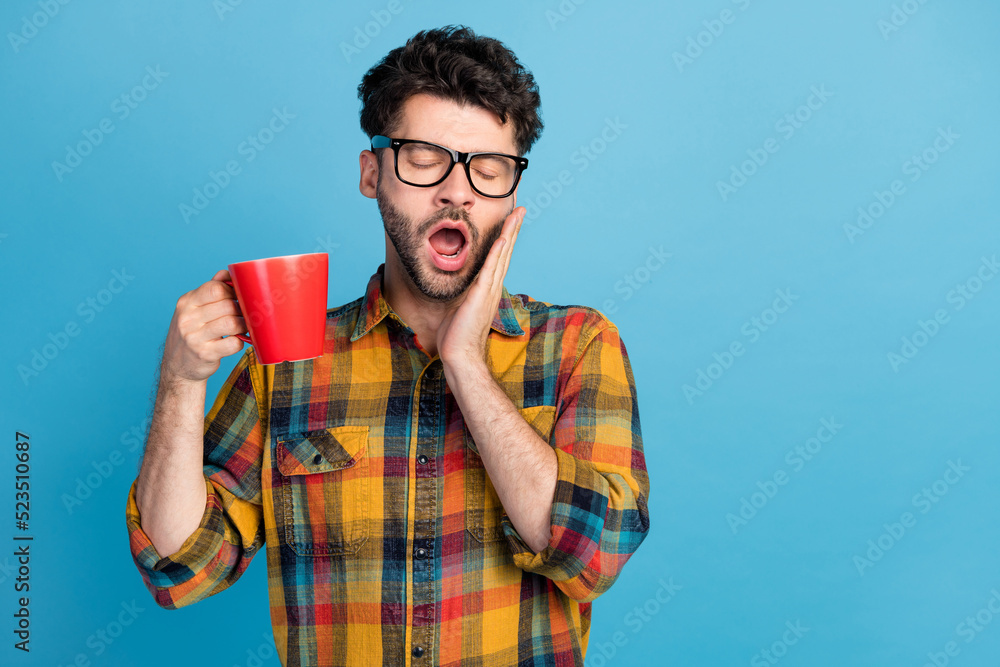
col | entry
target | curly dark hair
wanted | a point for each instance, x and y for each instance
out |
(452, 63)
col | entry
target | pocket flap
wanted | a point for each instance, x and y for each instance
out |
(540, 417)
(322, 450)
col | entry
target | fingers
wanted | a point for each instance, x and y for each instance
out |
(211, 291)
(488, 273)
(195, 342)
(495, 267)
(509, 247)
(214, 330)
(514, 222)
(221, 318)
(216, 309)
(214, 317)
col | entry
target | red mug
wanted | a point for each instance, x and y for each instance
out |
(283, 302)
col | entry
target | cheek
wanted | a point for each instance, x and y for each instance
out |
(490, 234)
(413, 201)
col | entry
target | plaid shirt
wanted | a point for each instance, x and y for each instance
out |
(386, 541)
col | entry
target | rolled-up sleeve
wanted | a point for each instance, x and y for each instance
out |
(599, 513)
(231, 530)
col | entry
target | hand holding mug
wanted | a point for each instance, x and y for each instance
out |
(195, 339)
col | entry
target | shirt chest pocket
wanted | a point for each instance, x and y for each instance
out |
(324, 486)
(483, 509)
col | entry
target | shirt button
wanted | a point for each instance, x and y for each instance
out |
(317, 459)
(422, 460)
(418, 651)
(420, 552)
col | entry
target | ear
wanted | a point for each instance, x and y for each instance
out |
(368, 163)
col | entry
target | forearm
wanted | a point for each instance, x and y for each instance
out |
(170, 492)
(520, 464)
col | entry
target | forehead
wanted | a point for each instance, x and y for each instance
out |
(465, 128)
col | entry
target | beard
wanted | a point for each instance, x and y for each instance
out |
(409, 240)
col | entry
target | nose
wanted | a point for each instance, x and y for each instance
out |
(456, 190)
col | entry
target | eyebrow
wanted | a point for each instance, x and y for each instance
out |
(475, 150)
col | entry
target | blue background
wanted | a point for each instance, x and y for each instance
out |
(683, 126)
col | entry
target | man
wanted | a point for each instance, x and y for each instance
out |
(461, 473)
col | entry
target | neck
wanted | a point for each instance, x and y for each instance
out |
(421, 314)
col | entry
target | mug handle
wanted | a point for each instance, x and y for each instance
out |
(242, 337)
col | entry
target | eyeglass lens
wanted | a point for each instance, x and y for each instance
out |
(422, 164)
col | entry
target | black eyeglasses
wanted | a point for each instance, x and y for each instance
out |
(423, 164)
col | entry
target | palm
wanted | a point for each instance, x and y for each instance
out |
(461, 335)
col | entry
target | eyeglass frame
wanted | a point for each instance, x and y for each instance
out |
(380, 141)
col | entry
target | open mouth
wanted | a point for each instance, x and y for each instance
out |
(448, 246)
(447, 242)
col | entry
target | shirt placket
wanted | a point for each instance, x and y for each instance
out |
(424, 463)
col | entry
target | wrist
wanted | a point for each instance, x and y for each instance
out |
(174, 383)
(465, 368)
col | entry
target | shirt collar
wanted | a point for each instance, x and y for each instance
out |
(374, 308)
